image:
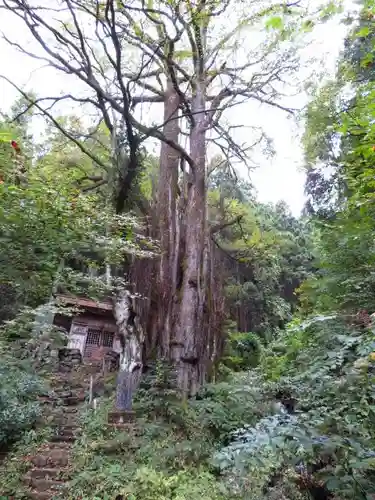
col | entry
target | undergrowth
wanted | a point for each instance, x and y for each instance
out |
(17, 462)
(328, 367)
(167, 453)
(25, 369)
(233, 441)
(19, 386)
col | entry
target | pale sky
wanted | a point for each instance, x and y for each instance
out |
(280, 177)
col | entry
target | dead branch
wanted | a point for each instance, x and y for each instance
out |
(35, 104)
(222, 225)
(116, 25)
(76, 61)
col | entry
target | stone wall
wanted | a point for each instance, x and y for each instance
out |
(69, 359)
(41, 350)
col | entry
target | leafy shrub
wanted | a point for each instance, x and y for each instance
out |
(243, 351)
(16, 463)
(145, 483)
(291, 351)
(254, 453)
(154, 459)
(174, 452)
(217, 410)
(224, 407)
(330, 368)
(167, 453)
(18, 408)
(157, 395)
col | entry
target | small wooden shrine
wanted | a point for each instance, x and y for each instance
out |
(93, 330)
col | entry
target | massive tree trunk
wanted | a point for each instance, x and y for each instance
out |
(167, 197)
(190, 336)
(131, 338)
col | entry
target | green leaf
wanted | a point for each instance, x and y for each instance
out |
(138, 30)
(363, 32)
(308, 25)
(275, 22)
(5, 136)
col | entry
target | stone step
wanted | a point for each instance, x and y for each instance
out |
(59, 446)
(80, 394)
(57, 457)
(66, 383)
(45, 485)
(69, 409)
(62, 393)
(46, 401)
(73, 400)
(69, 420)
(63, 423)
(69, 391)
(92, 369)
(120, 417)
(124, 427)
(69, 428)
(67, 431)
(70, 387)
(63, 438)
(44, 394)
(70, 381)
(45, 473)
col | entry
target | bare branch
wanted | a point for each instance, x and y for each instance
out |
(85, 150)
(94, 186)
(219, 227)
(83, 71)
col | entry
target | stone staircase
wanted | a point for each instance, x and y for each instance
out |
(50, 466)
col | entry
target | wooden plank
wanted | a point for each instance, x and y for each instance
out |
(77, 337)
(78, 329)
(77, 342)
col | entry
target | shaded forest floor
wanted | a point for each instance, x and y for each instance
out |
(167, 453)
(300, 426)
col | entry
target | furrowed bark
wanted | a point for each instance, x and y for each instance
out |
(189, 340)
(167, 199)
